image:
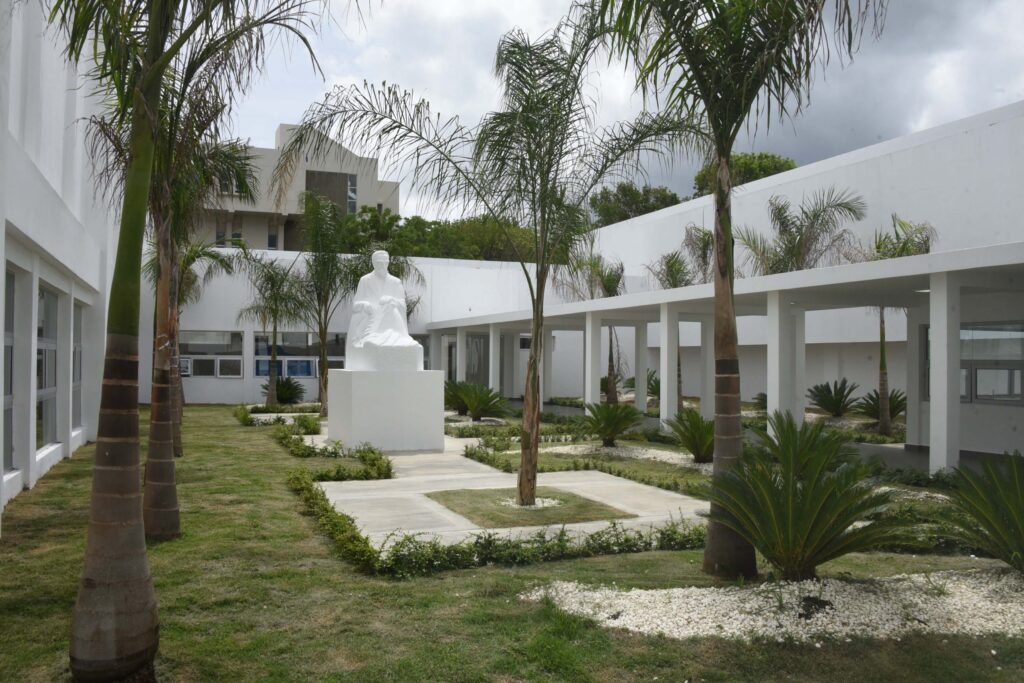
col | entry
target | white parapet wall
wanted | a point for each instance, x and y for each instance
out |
(394, 411)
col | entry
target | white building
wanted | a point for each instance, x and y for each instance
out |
(56, 248)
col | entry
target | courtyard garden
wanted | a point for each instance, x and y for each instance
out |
(255, 590)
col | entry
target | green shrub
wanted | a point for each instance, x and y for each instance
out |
(799, 500)
(836, 399)
(761, 401)
(694, 433)
(243, 416)
(566, 401)
(865, 436)
(609, 422)
(868, 404)
(307, 424)
(290, 436)
(481, 401)
(653, 384)
(278, 408)
(289, 390)
(993, 502)
(375, 465)
(453, 399)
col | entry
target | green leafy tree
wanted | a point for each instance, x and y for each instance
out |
(745, 168)
(720, 61)
(532, 163)
(627, 201)
(905, 239)
(133, 44)
(806, 237)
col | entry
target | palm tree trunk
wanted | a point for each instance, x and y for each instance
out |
(272, 371)
(884, 419)
(726, 553)
(679, 381)
(160, 500)
(173, 325)
(323, 369)
(115, 631)
(612, 395)
(529, 444)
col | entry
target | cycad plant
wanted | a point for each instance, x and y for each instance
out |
(481, 401)
(803, 499)
(694, 433)
(993, 507)
(454, 398)
(870, 406)
(609, 421)
(836, 398)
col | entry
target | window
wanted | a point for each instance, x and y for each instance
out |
(203, 343)
(76, 368)
(991, 363)
(524, 343)
(288, 344)
(220, 237)
(327, 184)
(263, 368)
(272, 239)
(185, 367)
(380, 208)
(8, 455)
(335, 345)
(46, 369)
(204, 367)
(300, 367)
(352, 194)
(229, 367)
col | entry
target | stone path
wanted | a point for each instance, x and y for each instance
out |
(385, 507)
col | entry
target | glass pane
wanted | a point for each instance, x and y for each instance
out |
(295, 344)
(335, 363)
(263, 368)
(46, 422)
(230, 367)
(992, 341)
(47, 328)
(8, 440)
(9, 304)
(204, 367)
(300, 368)
(8, 369)
(76, 407)
(76, 361)
(998, 384)
(206, 343)
(963, 383)
(77, 328)
(335, 345)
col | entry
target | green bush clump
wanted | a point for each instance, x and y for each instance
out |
(992, 504)
(342, 530)
(279, 408)
(486, 455)
(836, 399)
(289, 390)
(610, 421)
(453, 398)
(761, 401)
(307, 424)
(480, 401)
(244, 416)
(694, 433)
(566, 401)
(290, 436)
(863, 436)
(868, 405)
(375, 465)
(800, 500)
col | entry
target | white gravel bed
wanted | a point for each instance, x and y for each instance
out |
(630, 451)
(538, 503)
(972, 602)
(915, 495)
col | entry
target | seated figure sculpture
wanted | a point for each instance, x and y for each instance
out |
(378, 334)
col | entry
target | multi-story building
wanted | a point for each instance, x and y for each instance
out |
(274, 221)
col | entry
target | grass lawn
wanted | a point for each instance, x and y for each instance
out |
(486, 508)
(252, 591)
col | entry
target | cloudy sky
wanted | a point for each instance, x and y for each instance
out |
(937, 61)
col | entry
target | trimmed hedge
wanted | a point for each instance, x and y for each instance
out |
(290, 436)
(376, 465)
(409, 555)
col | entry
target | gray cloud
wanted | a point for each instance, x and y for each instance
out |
(936, 61)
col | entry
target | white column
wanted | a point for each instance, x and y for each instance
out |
(65, 325)
(436, 350)
(944, 373)
(785, 336)
(707, 368)
(546, 368)
(26, 312)
(592, 359)
(915, 406)
(640, 366)
(508, 365)
(494, 358)
(518, 383)
(461, 351)
(799, 317)
(668, 338)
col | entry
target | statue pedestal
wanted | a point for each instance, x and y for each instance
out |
(394, 411)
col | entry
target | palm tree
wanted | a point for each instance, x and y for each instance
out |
(671, 271)
(803, 238)
(278, 299)
(132, 45)
(699, 244)
(589, 275)
(906, 239)
(532, 163)
(721, 61)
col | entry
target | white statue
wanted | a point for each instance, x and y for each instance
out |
(378, 334)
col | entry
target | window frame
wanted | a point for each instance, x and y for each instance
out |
(241, 367)
(971, 366)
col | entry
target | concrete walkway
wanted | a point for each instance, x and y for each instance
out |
(386, 507)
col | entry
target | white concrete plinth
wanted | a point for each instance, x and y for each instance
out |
(394, 411)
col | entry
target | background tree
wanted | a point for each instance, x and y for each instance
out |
(626, 201)
(532, 163)
(721, 60)
(745, 168)
(132, 45)
(278, 299)
(806, 237)
(905, 239)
